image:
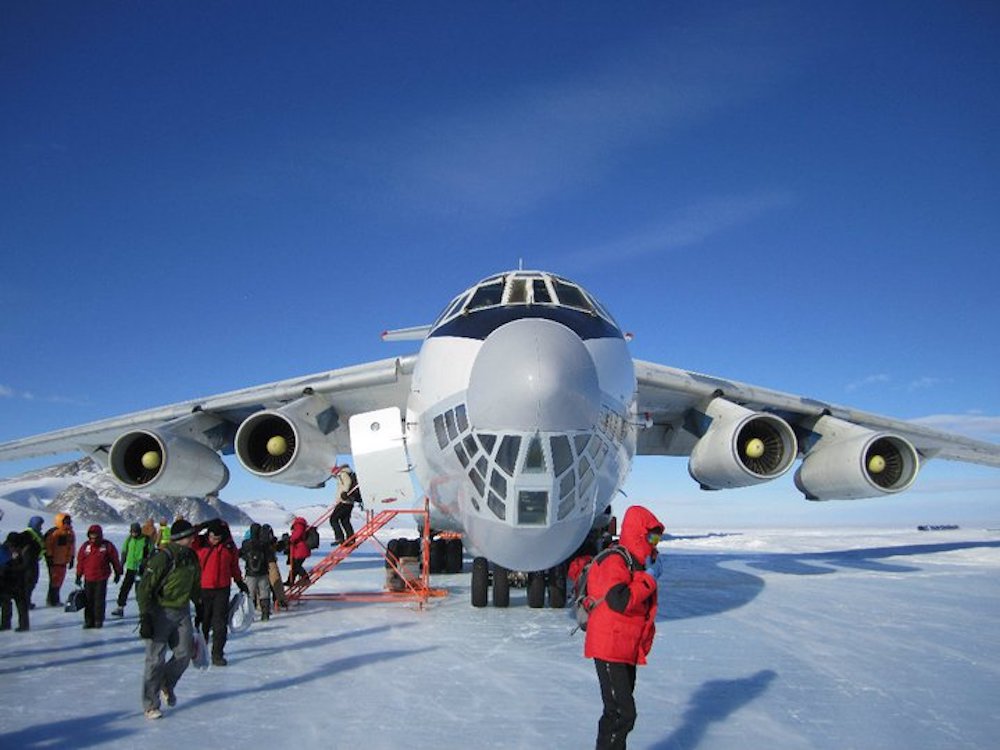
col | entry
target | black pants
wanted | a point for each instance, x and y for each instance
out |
(215, 618)
(97, 593)
(19, 599)
(340, 520)
(617, 686)
(126, 587)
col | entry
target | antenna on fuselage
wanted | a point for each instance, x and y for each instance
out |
(520, 264)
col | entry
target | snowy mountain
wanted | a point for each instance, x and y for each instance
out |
(83, 490)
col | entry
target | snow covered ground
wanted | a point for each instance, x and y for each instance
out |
(791, 639)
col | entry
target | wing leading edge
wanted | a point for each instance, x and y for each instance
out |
(667, 396)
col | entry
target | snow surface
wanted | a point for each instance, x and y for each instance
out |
(847, 638)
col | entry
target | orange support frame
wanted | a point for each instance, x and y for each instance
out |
(419, 590)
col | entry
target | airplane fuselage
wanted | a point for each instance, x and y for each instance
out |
(520, 418)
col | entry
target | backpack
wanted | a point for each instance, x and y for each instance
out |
(312, 537)
(583, 603)
(256, 559)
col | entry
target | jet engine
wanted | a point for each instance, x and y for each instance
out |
(163, 463)
(290, 445)
(740, 447)
(851, 462)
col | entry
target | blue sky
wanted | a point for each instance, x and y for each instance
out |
(203, 196)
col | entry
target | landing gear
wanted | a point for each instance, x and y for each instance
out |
(536, 582)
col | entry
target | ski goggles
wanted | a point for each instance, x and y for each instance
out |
(654, 537)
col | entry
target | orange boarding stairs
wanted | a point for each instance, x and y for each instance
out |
(414, 588)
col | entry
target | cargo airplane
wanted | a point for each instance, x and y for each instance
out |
(518, 418)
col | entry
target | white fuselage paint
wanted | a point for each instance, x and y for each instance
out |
(530, 378)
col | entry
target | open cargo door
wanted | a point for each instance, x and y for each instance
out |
(378, 448)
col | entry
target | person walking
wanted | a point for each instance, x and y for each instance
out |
(135, 551)
(348, 493)
(219, 561)
(94, 562)
(622, 625)
(34, 551)
(172, 580)
(60, 549)
(298, 550)
(13, 581)
(256, 554)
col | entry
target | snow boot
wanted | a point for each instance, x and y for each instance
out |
(265, 611)
(118, 611)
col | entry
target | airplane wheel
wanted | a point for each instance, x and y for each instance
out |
(453, 556)
(438, 556)
(536, 589)
(480, 581)
(557, 587)
(501, 586)
(393, 549)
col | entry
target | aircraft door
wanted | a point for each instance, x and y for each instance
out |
(381, 463)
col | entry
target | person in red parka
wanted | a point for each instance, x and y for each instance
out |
(621, 626)
(298, 549)
(220, 566)
(94, 562)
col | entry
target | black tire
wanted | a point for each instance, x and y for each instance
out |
(501, 586)
(557, 587)
(453, 556)
(536, 589)
(438, 556)
(480, 581)
(392, 548)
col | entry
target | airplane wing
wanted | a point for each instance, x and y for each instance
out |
(667, 397)
(340, 393)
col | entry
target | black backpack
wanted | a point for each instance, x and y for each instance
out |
(256, 559)
(312, 537)
(583, 603)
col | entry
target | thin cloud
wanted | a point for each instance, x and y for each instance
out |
(685, 227)
(8, 392)
(973, 424)
(507, 156)
(925, 383)
(872, 380)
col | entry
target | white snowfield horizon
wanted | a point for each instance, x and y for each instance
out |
(819, 639)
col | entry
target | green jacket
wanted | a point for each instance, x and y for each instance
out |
(135, 550)
(172, 577)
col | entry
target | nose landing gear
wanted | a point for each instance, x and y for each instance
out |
(536, 582)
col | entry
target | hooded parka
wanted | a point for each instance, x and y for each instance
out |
(621, 628)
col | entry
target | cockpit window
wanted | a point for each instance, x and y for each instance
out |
(540, 292)
(517, 291)
(571, 296)
(487, 295)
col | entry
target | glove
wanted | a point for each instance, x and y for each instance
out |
(118, 577)
(70, 565)
(79, 580)
(654, 566)
(242, 586)
(146, 625)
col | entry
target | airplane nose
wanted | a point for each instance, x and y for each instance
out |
(533, 374)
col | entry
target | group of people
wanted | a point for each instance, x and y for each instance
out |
(20, 557)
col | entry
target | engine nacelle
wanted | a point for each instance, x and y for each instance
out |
(163, 463)
(287, 445)
(851, 462)
(741, 447)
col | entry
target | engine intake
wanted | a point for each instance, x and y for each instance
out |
(740, 447)
(162, 463)
(287, 445)
(851, 462)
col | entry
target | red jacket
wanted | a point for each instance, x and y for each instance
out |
(220, 564)
(297, 541)
(621, 628)
(96, 558)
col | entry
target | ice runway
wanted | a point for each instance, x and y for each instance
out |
(788, 639)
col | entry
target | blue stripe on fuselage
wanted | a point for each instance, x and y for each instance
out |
(481, 323)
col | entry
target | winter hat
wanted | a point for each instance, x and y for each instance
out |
(95, 529)
(35, 522)
(135, 528)
(180, 529)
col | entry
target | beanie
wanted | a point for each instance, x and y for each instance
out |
(181, 529)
